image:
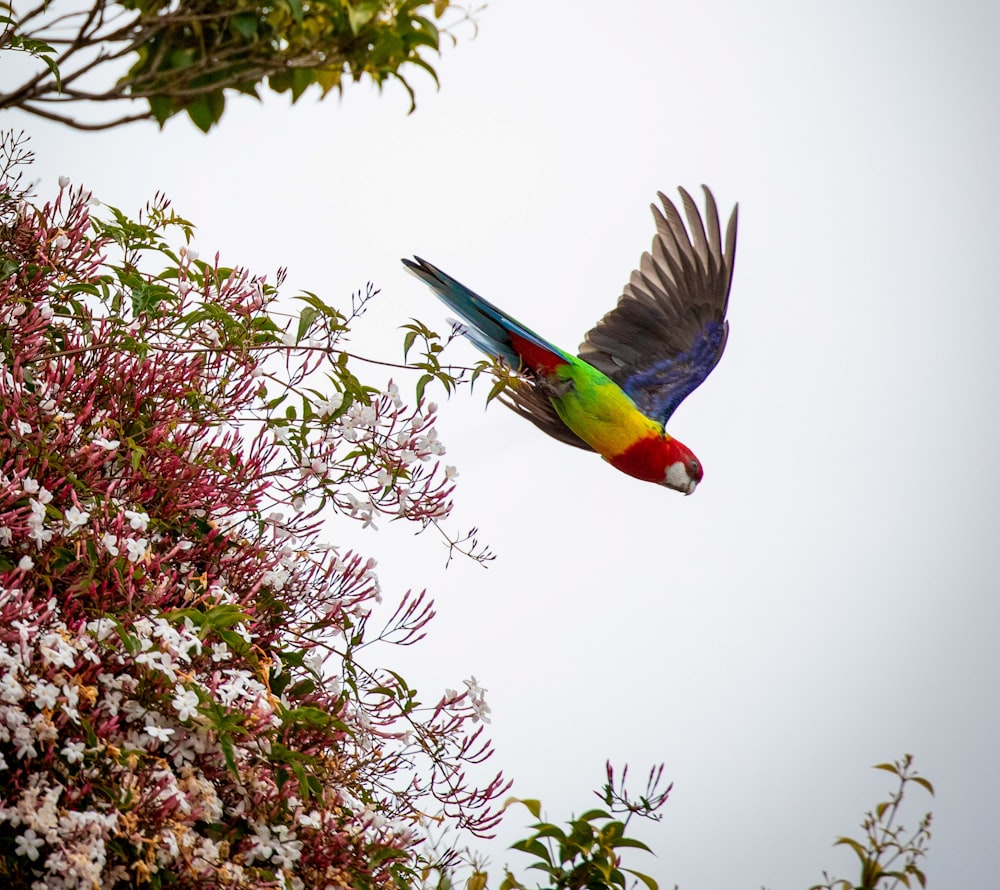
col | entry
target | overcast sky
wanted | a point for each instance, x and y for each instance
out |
(828, 598)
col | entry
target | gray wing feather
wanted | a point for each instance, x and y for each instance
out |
(671, 315)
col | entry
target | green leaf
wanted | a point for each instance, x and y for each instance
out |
(42, 54)
(245, 25)
(408, 343)
(88, 732)
(204, 112)
(422, 385)
(533, 848)
(854, 845)
(631, 842)
(591, 815)
(360, 15)
(496, 389)
(923, 783)
(296, 7)
(511, 883)
(306, 318)
(308, 716)
(646, 879)
(302, 79)
(547, 829)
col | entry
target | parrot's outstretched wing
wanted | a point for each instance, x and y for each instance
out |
(669, 328)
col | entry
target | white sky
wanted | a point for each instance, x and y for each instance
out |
(828, 598)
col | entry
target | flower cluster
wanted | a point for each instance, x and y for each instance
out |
(182, 699)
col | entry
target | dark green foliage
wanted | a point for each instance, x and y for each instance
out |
(192, 55)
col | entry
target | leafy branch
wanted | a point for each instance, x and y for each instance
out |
(191, 55)
(888, 853)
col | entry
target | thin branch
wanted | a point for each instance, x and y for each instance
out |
(80, 125)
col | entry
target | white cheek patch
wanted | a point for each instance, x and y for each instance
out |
(677, 477)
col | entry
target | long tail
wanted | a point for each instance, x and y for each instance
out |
(489, 328)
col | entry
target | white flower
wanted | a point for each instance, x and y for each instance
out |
(46, 694)
(60, 242)
(450, 472)
(37, 516)
(477, 698)
(75, 519)
(275, 579)
(26, 564)
(63, 182)
(313, 661)
(186, 704)
(137, 519)
(101, 628)
(23, 742)
(136, 548)
(312, 820)
(220, 652)
(40, 536)
(73, 752)
(28, 844)
(56, 651)
(22, 427)
(392, 393)
(160, 733)
(29, 485)
(107, 444)
(288, 853)
(110, 543)
(11, 691)
(328, 406)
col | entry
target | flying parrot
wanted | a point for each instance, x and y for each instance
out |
(637, 364)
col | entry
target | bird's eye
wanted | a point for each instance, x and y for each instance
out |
(693, 467)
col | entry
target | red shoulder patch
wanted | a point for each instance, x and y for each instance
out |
(541, 360)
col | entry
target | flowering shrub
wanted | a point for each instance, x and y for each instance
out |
(182, 698)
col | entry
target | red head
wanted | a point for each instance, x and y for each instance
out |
(663, 460)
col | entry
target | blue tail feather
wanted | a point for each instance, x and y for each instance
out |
(489, 328)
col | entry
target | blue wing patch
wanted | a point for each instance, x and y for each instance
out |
(660, 388)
